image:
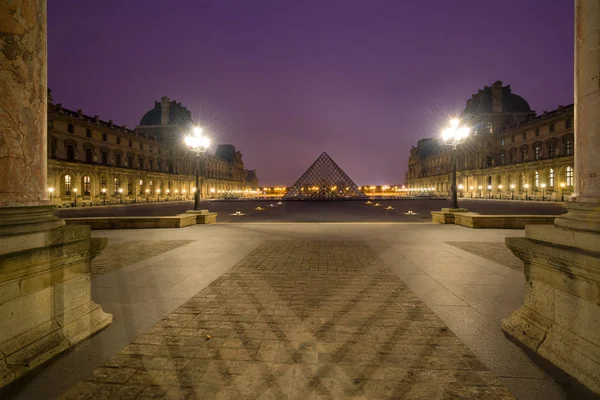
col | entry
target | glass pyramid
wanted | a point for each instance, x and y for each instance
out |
(324, 180)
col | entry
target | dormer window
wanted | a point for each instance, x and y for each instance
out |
(70, 128)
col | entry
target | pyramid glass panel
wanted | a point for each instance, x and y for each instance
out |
(324, 180)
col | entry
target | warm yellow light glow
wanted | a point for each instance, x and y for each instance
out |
(562, 184)
(489, 187)
(51, 190)
(176, 191)
(460, 187)
(194, 190)
(455, 133)
(147, 190)
(543, 185)
(120, 190)
(168, 191)
(526, 186)
(472, 188)
(512, 186)
(157, 190)
(480, 187)
(183, 191)
(212, 190)
(499, 186)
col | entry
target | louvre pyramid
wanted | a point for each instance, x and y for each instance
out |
(324, 180)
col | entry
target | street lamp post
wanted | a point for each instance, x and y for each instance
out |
(158, 195)
(512, 192)
(489, 192)
(147, 195)
(500, 191)
(198, 144)
(75, 191)
(562, 193)
(51, 191)
(121, 195)
(543, 190)
(472, 190)
(168, 191)
(526, 195)
(460, 187)
(453, 136)
(480, 191)
(176, 194)
(103, 190)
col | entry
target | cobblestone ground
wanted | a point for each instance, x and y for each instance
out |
(493, 251)
(119, 255)
(298, 319)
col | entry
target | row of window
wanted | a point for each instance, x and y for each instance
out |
(86, 185)
(88, 134)
(568, 125)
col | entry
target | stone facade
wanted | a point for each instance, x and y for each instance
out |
(509, 146)
(147, 163)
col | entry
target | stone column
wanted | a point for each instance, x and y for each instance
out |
(45, 283)
(560, 319)
(584, 205)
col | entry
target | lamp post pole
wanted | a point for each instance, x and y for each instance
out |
(543, 191)
(75, 191)
(103, 190)
(526, 194)
(500, 191)
(562, 193)
(453, 136)
(512, 192)
(198, 144)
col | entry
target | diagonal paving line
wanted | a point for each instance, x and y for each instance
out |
(328, 318)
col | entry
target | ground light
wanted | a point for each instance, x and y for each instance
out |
(259, 208)
(389, 208)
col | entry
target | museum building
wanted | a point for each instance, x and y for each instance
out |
(91, 161)
(511, 153)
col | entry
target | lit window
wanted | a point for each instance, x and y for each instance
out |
(489, 127)
(538, 151)
(85, 185)
(551, 177)
(117, 183)
(568, 123)
(68, 185)
(569, 176)
(537, 179)
(551, 149)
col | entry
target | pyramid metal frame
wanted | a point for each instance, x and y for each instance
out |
(324, 180)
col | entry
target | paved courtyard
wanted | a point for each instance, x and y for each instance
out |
(336, 310)
(311, 211)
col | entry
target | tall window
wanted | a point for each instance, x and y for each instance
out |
(502, 142)
(130, 161)
(523, 181)
(569, 147)
(104, 137)
(68, 185)
(524, 156)
(551, 149)
(88, 133)
(489, 127)
(552, 128)
(53, 147)
(118, 159)
(118, 140)
(537, 151)
(537, 179)
(551, 178)
(117, 184)
(537, 131)
(103, 183)
(70, 128)
(130, 187)
(141, 161)
(569, 176)
(130, 143)
(104, 157)
(85, 185)
(568, 123)
(513, 139)
(88, 156)
(70, 153)
(502, 156)
(524, 135)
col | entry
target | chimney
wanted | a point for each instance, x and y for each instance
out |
(165, 104)
(497, 97)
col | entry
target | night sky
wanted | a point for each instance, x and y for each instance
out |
(285, 80)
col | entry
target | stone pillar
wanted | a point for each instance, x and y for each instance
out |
(45, 288)
(584, 205)
(560, 319)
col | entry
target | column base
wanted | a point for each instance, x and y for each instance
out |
(581, 216)
(45, 293)
(560, 318)
(204, 216)
(446, 216)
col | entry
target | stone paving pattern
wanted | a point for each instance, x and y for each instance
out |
(121, 254)
(298, 319)
(493, 251)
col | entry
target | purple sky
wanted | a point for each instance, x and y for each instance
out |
(284, 80)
